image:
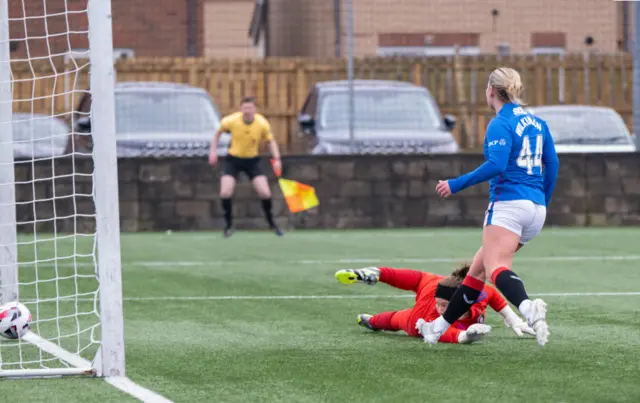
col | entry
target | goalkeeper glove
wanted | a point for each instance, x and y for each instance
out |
(473, 333)
(513, 321)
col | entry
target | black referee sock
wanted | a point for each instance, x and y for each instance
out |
(510, 285)
(226, 207)
(268, 214)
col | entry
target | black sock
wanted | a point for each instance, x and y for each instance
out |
(461, 301)
(510, 285)
(226, 207)
(268, 214)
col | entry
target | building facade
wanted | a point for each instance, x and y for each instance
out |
(419, 27)
(316, 28)
(156, 28)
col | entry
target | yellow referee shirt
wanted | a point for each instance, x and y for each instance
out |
(246, 138)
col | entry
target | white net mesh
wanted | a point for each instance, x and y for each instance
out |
(53, 182)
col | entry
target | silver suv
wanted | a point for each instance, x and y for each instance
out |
(390, 117)
(156, 119)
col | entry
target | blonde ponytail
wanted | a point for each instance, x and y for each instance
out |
(508, 85)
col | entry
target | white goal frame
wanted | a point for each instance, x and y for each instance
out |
(109, 360)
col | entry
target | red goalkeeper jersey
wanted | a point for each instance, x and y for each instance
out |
(425, 308)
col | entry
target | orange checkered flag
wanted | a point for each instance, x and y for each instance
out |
(299, 197)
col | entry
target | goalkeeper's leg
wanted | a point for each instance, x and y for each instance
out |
(403, 279)
(389, 321)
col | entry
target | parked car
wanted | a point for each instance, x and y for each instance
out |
(584, 128)
(156, 119)
(390, 117)
(38, 135)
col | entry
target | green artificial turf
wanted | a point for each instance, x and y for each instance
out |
(201, 323)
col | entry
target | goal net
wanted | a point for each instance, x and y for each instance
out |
(59, 231)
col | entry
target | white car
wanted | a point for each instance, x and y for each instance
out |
(586, 129)
(37, 135)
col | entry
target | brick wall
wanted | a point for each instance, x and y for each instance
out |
(227, 26)
(155, 27)
(150, 27)
(514, 24)
(306, 27)
(364, 192)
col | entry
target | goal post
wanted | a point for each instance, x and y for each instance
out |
(59, 213)
(8, 230)
(106, 187)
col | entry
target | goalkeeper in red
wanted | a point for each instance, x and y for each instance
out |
(433, 293)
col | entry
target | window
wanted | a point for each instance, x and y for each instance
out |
(427, 50)
(428, 44)
(548, 43)
(123, 53)
(548, 50)
(154, 112)
(584, 124)
(380, 109)
(118, 53)
(38, 135)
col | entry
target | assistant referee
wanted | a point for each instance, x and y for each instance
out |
(248, 130)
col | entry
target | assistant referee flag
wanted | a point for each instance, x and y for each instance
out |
(299, 197)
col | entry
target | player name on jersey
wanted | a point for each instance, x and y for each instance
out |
(525, 122)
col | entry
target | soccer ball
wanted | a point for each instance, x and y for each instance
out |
(15, 320)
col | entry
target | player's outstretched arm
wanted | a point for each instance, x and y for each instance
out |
(499, 141)
(473, 333)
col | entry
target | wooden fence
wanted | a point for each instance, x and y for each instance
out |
(281, 85)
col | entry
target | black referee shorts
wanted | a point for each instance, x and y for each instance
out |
(234, 165)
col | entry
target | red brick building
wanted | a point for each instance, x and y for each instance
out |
(315, 28)
(146, 27)
(422, 27)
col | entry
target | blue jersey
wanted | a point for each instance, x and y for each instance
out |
(521, 160)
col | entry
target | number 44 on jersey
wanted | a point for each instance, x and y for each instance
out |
(528, 159)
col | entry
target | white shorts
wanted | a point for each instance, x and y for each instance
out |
(522, 217)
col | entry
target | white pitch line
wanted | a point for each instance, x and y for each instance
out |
(128, 386)
(459, 259)
(304, 234)
(57, 351)
(587, 294)
(366, 260)
(321, 297)
(390, 296)
(362, 260)
(120, 382)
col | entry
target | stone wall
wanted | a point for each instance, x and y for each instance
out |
(354, 192)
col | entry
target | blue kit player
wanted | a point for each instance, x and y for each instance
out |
(521, 167)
